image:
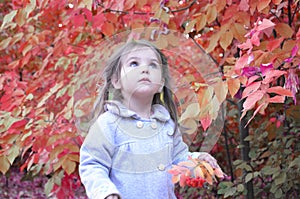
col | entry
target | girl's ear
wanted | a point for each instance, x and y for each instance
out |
(115, 82)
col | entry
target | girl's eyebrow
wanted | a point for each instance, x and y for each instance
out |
(138, 58)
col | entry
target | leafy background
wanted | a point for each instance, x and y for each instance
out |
(49, 61)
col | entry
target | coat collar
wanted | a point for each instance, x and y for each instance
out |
(117, 108)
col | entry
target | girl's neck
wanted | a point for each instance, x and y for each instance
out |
(141, 106)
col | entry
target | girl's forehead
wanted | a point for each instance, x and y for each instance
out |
(138, 50)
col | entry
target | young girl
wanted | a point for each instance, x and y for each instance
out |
(135, 138)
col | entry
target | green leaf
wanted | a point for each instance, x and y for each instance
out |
(248, 177)
(281, 178)
(240, 188)
(230, 192)
(295, 162)
(278, 193)
(48, 187)
(267, 170)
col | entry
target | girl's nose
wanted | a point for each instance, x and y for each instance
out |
(145, 68)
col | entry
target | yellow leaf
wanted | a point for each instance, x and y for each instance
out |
(226, 39)
(191, 111)
(165, 17)
(69, 166)
(175, 179)
(4, 164)
(284, 30)
(238, 32)
(211, 13)
(198, 172)
(189, 27)
(161, 42)
(213, 42)
(86, 4)
(4, 43)
(190, 125)
(221, 90)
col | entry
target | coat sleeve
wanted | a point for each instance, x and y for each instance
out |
(181, 150)
(96, 160)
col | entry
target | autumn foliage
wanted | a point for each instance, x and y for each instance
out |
(50, 59)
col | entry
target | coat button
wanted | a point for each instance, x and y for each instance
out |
(153, 125)
(139, 124)
(161, 167)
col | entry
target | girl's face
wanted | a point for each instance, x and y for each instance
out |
(141, 73)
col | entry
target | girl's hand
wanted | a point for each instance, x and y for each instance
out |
(208, 158)
(112, 196)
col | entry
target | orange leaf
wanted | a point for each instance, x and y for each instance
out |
(262, 4)
(107, 29)
(200, 22)
(276, 2)
(280, 91)
(233, 86)
(284, 30)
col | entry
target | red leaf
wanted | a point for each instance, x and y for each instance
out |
(274, 44)
(252, 99)
(251, 88)
(265, 25)
(280, 91)
(255, 112)
(272, 75)
(205, 122)
(277, 99)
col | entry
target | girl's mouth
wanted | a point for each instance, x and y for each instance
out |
(144, 80)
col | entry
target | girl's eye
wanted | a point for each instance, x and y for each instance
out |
(133, 64)
(154, 65)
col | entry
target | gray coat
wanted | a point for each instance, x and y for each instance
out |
(128, 155)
